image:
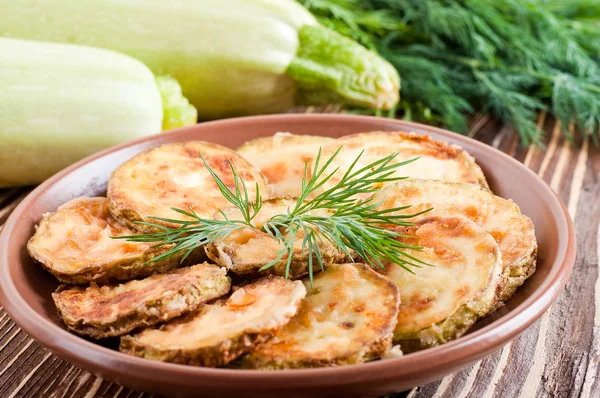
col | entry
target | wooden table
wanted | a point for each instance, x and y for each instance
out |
(559, 356)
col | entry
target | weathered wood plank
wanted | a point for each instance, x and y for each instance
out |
(591, 383)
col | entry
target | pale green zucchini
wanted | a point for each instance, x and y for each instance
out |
(231, 57)
(60, 103)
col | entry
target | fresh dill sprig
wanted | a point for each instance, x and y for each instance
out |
(512, 58)
(352, 224)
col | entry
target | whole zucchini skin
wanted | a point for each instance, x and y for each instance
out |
(228, 55)
(231, 57)
(60, 103)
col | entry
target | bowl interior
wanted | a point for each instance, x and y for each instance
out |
(507, 178)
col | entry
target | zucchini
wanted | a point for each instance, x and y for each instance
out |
(347, 317)
(231, 57)
(221, 331)
(117, 309)
(440, 302)
(60, 103)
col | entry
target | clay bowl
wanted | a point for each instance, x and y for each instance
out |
(26, 287)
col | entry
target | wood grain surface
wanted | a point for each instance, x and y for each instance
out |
(559, 356)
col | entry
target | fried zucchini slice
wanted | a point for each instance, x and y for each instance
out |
(174, 176)
(220, 332)
(347, 317)
(438, 160)
(75, 245)
(440, 302)
(281, 158)
(247, 250)
(115, 310)
(500, 217)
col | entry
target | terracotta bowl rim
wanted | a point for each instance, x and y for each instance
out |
(90, 355)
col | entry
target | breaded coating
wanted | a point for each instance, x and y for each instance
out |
(347, 317)
(174, 176)
(114, 310)
(502, 218)
(75, 244)
(440, 301)
(438, 160)
(220, 332)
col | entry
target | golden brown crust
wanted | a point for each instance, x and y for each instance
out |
(437, 159)
(214, 356)
(348, 317)
(440, 302)
(220, 332)
(442, 332)
(173, 175)
(114, 310)
(501, 218)
(516, 275)
(75, 244)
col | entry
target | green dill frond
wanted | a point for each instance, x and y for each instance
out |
(352, 19)
(505, 100)
(509, 57)
(582, 10)
(575, 99)
(427, 82)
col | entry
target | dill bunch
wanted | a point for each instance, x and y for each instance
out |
(511, 58)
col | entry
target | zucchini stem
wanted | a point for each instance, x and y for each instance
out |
(177, 111)
(330, 68)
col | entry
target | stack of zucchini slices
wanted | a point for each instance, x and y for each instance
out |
(219, 307)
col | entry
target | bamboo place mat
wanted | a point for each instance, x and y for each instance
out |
(559, 356)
